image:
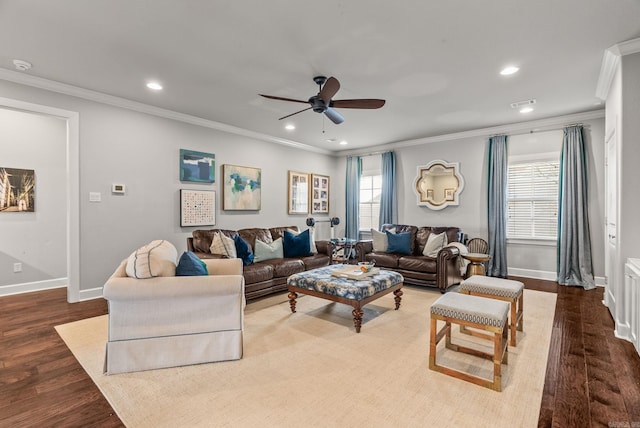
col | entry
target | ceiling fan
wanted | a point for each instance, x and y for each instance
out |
(322, 102)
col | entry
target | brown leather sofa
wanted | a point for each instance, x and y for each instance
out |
(441, 271)
(269, 276)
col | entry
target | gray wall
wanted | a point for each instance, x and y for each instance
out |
(142, 151)
(35, 239)
(527, 259)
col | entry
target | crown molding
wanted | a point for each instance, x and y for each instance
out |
(547, 124)
(74, 91)
(610, 63)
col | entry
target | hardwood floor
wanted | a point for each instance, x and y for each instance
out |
(592, 380)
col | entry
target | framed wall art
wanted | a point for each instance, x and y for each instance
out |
(17, 190)
(197, 166)
(197, 207)
(319, 194)
(241, 188)
(298, 196)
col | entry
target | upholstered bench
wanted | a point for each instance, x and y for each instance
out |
(477, 312)
(497, 288)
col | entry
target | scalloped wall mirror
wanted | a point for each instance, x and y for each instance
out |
(439, 184)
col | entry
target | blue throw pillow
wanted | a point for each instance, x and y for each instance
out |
(399, 243)
(243, 250)
(190, 265)
(296, 245)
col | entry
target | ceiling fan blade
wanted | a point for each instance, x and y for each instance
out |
(334, 116)
(289, 115)
(358, 103)
(331, 86)
(283, 99)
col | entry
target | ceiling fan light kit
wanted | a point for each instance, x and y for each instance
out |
(323, 103)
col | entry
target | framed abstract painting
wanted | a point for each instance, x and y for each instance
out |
(197, 166)
(241, 188)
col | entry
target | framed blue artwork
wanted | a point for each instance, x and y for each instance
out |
(197, 166)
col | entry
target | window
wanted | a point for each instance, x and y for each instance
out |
(370, 190)
(532, 200)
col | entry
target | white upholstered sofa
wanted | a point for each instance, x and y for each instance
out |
(175, 320)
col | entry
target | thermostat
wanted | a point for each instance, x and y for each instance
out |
(118, 188)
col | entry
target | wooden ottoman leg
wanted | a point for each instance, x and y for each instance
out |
(292, 300)
(357, 318)
(398, 297)
(521, 312)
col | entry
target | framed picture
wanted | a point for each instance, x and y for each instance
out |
(197, 166)
(298, 197)
(197, 207)
(17, 190)
(319, 194)
(448, 194)
(241, 188)
(429, 193)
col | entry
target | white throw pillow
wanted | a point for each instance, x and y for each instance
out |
(434, 244)
(380, 241)
(222, 245)
(462, 262)
(312, 238)
(264, 251)
(157, 258)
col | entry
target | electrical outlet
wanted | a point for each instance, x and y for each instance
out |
(17, 267)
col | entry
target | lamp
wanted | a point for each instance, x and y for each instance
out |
(334, 221)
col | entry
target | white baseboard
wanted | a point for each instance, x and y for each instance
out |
(29, 287)
(49, 284)
(93, 293)
(546, 275)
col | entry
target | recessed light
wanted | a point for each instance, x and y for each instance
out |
(331, 140)
(526, 110)
(343, 143)
(155, 86)
(509, 70)
(290, 127)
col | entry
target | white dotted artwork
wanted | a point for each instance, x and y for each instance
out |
(197, 207)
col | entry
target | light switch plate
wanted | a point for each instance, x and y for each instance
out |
(118, 188)
(95, 197)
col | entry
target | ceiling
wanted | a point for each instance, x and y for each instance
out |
(436, 63)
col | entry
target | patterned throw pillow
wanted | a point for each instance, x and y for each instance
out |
(435, 243)
(243, 250)
(190, 265)
(157, 258)
(264, 251)
(223, 245)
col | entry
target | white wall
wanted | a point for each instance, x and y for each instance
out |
(35, 239)
(142, 151)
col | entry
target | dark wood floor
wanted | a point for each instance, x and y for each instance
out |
(592, 380)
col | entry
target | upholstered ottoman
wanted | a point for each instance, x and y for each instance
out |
(502, 289)
(477, 312)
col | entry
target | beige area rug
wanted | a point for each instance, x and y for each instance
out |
(310, 369)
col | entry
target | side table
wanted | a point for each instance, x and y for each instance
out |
(476, 266)
(347, 246)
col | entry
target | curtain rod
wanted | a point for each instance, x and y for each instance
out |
(542, 129)
(372, 153)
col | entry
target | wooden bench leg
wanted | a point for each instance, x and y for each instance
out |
(499, 356)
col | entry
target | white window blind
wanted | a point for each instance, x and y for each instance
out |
(370, 190)
(532, 200)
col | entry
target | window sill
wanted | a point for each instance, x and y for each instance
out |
(533, 241)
